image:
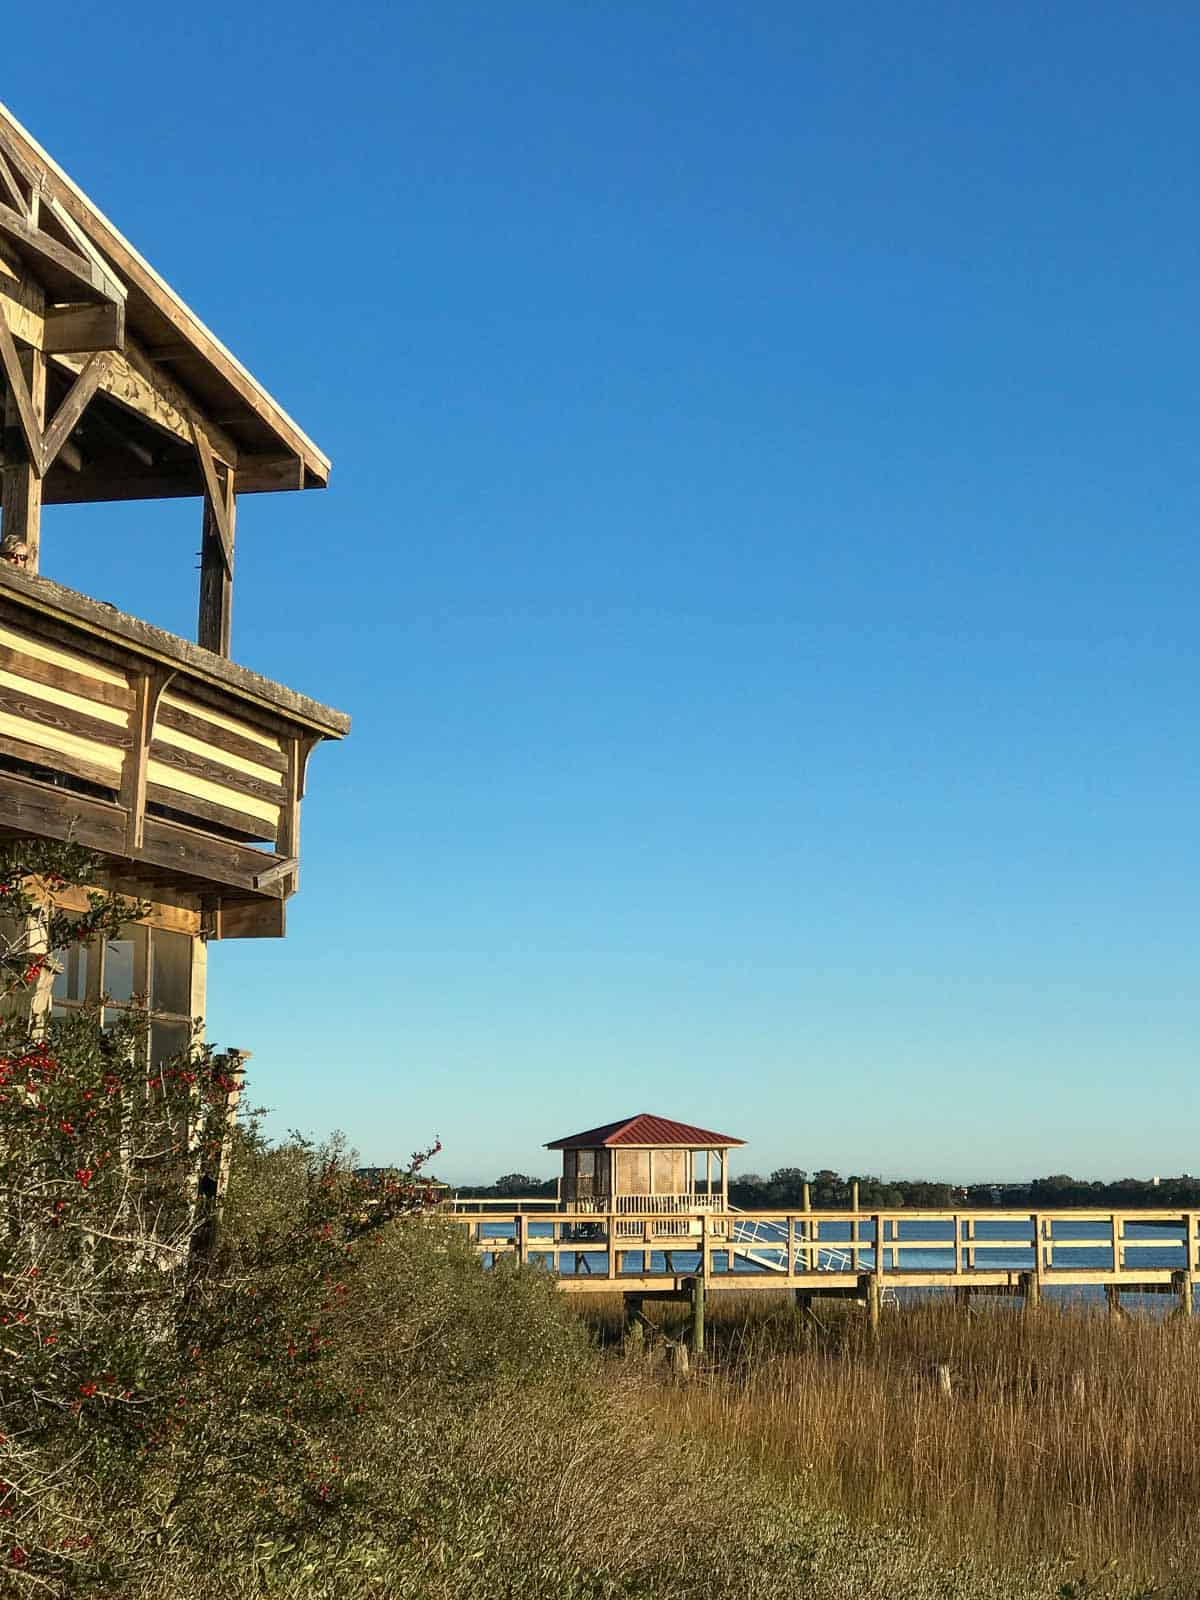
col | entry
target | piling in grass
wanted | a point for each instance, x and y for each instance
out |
(1018, 1438)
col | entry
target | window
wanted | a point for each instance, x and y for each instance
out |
(143, 966)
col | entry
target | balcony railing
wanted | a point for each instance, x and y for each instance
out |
(147, 748)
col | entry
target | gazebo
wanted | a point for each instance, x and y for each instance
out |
(645, 1165)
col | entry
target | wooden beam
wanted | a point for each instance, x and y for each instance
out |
(81, 328)
(22, 303)
(66, 266)
(215, 621)
(216, 494)
(24, 414)
(287, 836)
(9, 184)
(74, 404)
(17, 373)
(281, 869)
(113, 289)
(250, 919)
(148, 691)
(133, 381)
(20, 167)
(107, 479)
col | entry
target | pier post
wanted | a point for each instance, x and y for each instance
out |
(633, 1333)
(804, 1300)
(519, 1238)
(1031, 1290)
(855, 1258)
(1112, 1294)
(698, 1296)
(1181, 1287)
(874, 1289)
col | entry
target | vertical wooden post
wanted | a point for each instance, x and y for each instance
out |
(874, 1299)
(1037, 1224)
(880, 1261)
(855, 1259)
(1031, 1290)
(1117, 1224)
(970, 1244)
(21, 497)
(215, 623)
(1112, 1296)
(519, 1238)
(1181, 1287)
(791, 1246)
(958, 1249)
(611, 1225)
(698, 1296)
(1189, 1246)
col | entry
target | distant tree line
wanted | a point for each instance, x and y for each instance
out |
(512, 1186)
(828, 1191)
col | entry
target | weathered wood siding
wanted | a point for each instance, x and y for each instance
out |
(216, 768)
(70, 713)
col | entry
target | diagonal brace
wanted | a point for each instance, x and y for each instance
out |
(216, 494)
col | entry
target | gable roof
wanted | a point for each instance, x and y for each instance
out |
(649, 1132)
(172, 333)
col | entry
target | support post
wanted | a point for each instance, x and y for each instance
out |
(1112, 1296)
(1031, 1290)
(854, 1228)
(1181, 1288)
(874, 1292)
(215, 623)
(519, 1238)
(21, 499)
(1038, 1249)
(698, 1297)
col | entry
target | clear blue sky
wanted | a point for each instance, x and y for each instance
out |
(761, 559)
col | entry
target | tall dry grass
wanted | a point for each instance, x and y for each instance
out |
(1065, 1434)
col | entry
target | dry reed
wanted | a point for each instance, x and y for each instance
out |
(1065, 1434)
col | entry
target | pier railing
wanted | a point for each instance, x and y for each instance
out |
(1026, 1250)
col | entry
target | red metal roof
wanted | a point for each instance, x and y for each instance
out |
(645, 1129)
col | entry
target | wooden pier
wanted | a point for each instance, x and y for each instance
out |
(865, 1255)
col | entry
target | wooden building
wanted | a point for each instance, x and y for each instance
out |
(646, 1164)
(183, 770)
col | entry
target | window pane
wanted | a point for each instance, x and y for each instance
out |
(171, 970)
(71, 982)
(118, 970)
(168, 1039)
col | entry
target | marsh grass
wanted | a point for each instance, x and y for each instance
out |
(1067, 1435)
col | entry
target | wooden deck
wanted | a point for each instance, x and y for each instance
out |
(866, 1254)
